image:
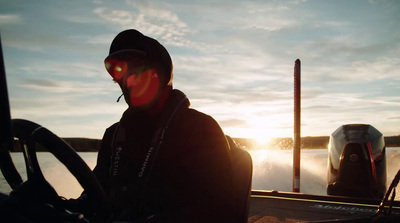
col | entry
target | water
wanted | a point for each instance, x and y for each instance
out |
(54, 171)
(272, 170)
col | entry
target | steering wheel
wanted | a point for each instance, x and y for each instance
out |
(35, 197)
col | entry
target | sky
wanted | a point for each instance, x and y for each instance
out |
(233, 59)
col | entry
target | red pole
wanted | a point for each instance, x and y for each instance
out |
(297, 123)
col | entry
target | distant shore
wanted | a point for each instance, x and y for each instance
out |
(310, 142)
(313, 142)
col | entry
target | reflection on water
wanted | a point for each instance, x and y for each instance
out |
(272, 170)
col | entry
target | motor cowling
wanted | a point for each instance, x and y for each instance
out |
(357, 162)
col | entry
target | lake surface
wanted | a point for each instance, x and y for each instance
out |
(272, 170)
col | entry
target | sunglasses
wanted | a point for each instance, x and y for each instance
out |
(120, 66)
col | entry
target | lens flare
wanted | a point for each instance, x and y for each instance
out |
(143, 87)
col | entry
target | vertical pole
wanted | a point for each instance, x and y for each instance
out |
(297, 123)
(5, 126)
(6, 138)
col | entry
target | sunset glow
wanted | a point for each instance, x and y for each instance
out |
(261, 130)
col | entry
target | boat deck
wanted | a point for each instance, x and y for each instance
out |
(273, 206)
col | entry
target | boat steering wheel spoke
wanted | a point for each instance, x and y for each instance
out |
(36, 190)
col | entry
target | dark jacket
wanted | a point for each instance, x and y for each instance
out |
(172, 168)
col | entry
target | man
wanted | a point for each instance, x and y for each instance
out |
(162, 162)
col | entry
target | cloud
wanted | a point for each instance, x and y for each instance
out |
(54, 43)
(232, 123)
(62, 106)
(10, 19)
(102, 39)
(266, 16)
(120, 17)
(75, 69)
(150, 19)
(64, 87)
(68, 117)
(364, 70)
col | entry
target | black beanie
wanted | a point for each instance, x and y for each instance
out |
(132, 40)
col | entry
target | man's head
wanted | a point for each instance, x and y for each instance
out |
(141, 66)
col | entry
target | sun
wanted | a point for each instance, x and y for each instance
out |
(262, 137)
(260, 131)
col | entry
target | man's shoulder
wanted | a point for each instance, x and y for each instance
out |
(200, 121)
(198, 115)
(112, 128)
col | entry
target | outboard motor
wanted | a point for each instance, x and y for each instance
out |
(357, 162)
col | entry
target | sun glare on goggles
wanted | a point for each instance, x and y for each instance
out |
(116, 68)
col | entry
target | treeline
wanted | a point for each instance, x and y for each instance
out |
(314, 142)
